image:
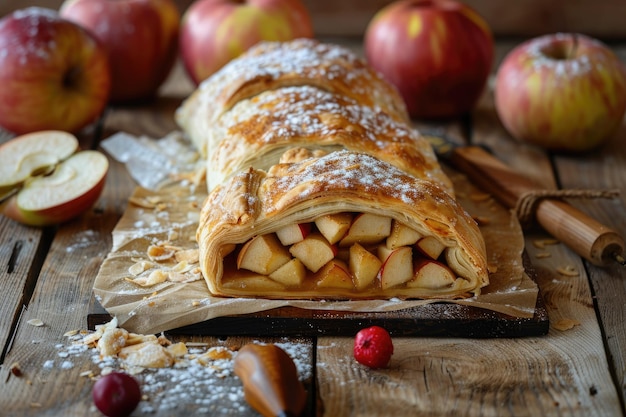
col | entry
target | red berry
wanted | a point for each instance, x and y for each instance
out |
(116, 394)
(373, 347)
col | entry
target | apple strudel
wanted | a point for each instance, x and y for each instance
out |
(258, 130)
(344, 225)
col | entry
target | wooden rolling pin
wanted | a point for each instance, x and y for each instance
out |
(587, 237)
(270, 380)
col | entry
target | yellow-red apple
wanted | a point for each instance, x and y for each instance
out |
(53, 74)
(213, 32)
(71, 189)
(563, 92)
(141, 38)
(438, 53)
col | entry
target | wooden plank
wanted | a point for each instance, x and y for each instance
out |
(599, 170)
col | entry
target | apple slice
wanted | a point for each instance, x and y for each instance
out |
(430, 247)
(431, 274)
(71, 189)
(401, 235)
(334, 226)
(263, 254)
(364, 266)
(314, 251)
(33, 154)
(397, 268)
(367, 228)
(293, 233)
(291, 274)
(252, 283)
(335, 274)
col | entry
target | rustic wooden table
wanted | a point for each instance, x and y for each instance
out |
(577, 369)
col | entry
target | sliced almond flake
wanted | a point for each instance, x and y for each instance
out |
(106, 370)
(70, 333)
(174, 276)
(88, 374)
(35, 322)
(135, 370)
(160, 253)
(182, 266)
(478, 196)
(191, 256)
(147, 355)
(156, 277)
(565, 324)
(542, 243)
(173, 235)
(542, 255)
(567, 271)
(134, 338)
(195, 303)
(140, 267)
(141, 202)
(112, 341)
(178, 349)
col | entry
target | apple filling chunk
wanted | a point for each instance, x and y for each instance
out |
(344, 254)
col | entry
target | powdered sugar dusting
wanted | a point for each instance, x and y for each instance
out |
(538, 49)
(31, 35)
(353, 171)
(195, 386)
(342, 70)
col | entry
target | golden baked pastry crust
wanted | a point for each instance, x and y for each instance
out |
(270, 65)
(258, 130)
(257, 202)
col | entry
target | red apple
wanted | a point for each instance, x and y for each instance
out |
(141, 37)
(215, 31)
(53, 73)
(563, 92)
(438, 53)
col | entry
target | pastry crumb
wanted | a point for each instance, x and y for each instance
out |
(565, 324)
(567, 271)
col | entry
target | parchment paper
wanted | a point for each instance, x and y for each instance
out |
(168, 217)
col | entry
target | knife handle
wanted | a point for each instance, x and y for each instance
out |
(586, 236)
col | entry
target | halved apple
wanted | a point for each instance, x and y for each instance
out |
(262, 254)
(72, 188)
(334, 274)
(314, 251)
(397, 268)
(401, 235)
(291, 274)
(293, 233)
(367, 228)
(33, 154)
(334, 226)
(431, 274)
(430, 247)
(364, 266)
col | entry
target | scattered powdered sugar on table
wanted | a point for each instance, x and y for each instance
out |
(199, 388)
